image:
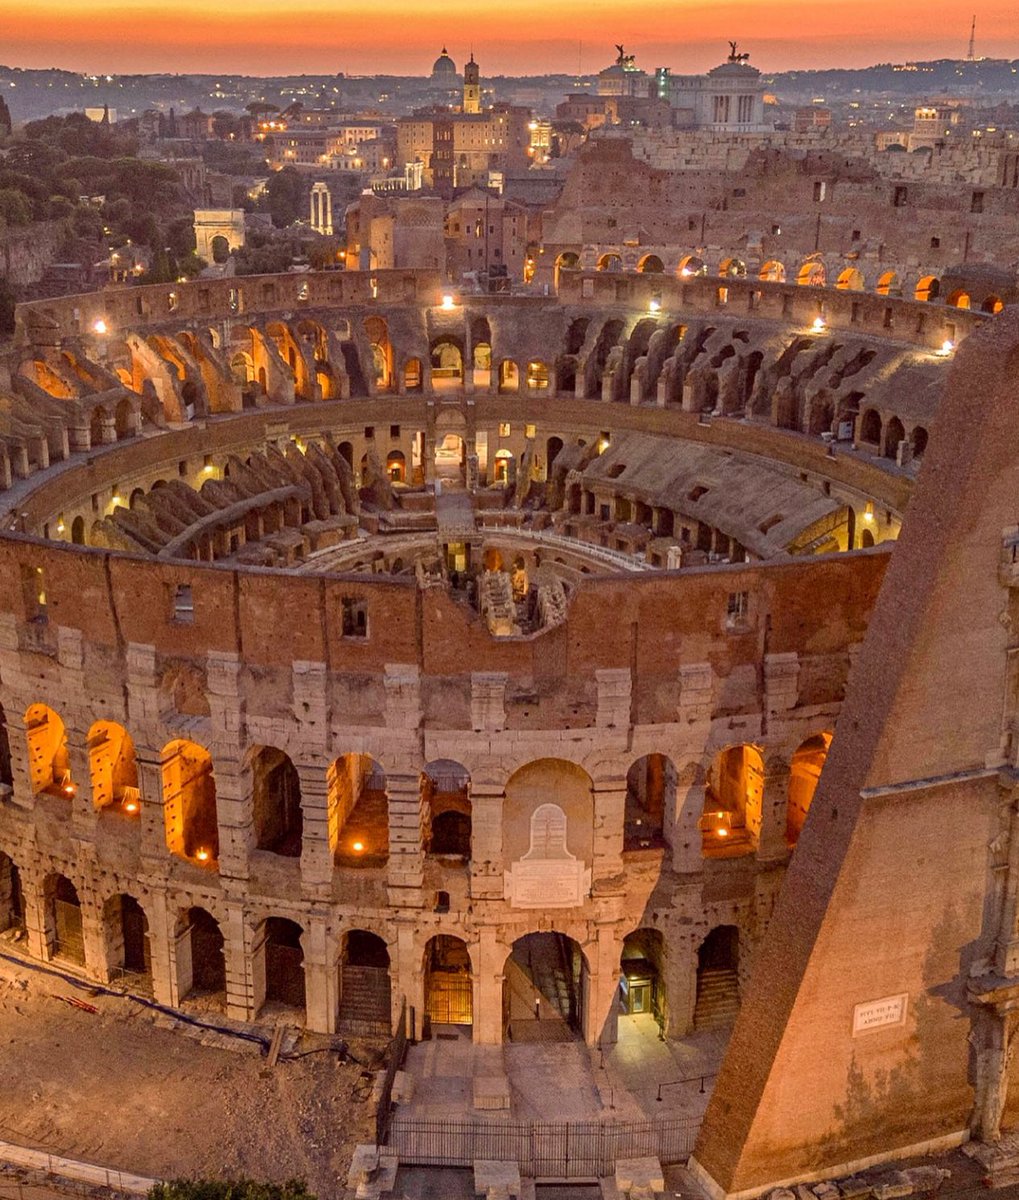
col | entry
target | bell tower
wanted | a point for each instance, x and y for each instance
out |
(472, 86)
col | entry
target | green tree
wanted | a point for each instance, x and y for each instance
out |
(284, 197)
(14, 207)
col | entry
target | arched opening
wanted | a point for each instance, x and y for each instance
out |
(650, 794)
(610, 262)
(447, 365)
(717, 979)
(870, 427)
(113, 770)
(396, 466)
(772, 272)
(804, 772)
(446, 789)
(412, 375)
(276, 803)
(365, 995)
(642, 995)
(544, 983)
(377, 332)
(358, 811)
(731, 824)
(12, 899)
(123, 419)
(651, 264)
(281, 957)
(919, 440)
(201, 962)
(567, 261)
(346, 451)
(501, 466)
(78, 531)
(220, 248)
(449, 982)
(537, 376)
(733, 268)
(866, 539)
(888, 284)
(691, 265)
(850, 280)
(242, 369)
(812, 274)
(894, 433)
(127, 938)
(992, 305)
(189, 803)
(509, 376)
(6, 769)
(482, 363)
(64, 935)
(48, 765)
(958, 299)
(927, 288)
(552, 448)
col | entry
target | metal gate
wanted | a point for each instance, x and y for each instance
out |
(450, 998)
(68, 940)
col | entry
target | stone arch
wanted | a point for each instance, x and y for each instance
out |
(919, 438)
(446, 789)
(804, 772)
(651, 264)
(650, 802)
(396, 466)
(377, 332)
(12, 899)
(642, 985)
(928, 288)
(544, 986)
(733, 799)
(365, 988)
(449, 981)
(992, 305)
(610, 261)
(718, 995)
(509, 376)
(78, 531)
(870, 427)
(201, 958)
(189, 803)
(732, 268)
(894, 434)
(772, 272)
(49, 767)
(113, 769)
(64, 931)
(276, 803)
(358, 811)
(812, 273)
(278, 965)
(530, 786)
(124, 419)
(691, 264)
(850, 279)
(413, 375)
(568, 260)
(126, 936)
(960, 298)
(888, 284)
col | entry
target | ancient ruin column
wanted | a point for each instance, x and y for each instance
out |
(320, 975)
(603, 986)
(489, 959)
(161, 939)
(407, 975)
(609, 813)
(771, 845)
(34, 900)
(316, 851)
(993, 1039)
(405, 870)
(233, 791)
(238, 949)
(487, 800)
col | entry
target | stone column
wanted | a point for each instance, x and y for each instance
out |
(316, 851)
(233, 792)
(406, 867)
(609, 812)
(487, 800)
(162, 924)
(614, 687)
(771, 845)
(407, 975)
(993, 1038)
(35, 915)
(238, 950)
(603, 984)
(320, 975)
(696, 698)
(488, 960)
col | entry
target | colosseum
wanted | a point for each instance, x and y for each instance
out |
(376, 657)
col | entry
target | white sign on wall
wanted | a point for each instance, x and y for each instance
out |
(548, 875)
(879, 1014)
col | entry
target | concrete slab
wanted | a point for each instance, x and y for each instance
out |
(491, 1093)
(496, 1180)
(640, 1176)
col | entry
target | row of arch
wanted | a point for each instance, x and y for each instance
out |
(811, 272)
(358, 797)
(543, 974)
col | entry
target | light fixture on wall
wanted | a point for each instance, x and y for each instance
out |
(99, 326)
(946, 348)
(448, 304)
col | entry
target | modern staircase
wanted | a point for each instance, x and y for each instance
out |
(717, 998)
(548, 972)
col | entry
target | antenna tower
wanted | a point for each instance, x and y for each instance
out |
(973, 41)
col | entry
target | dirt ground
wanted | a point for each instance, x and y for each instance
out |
(116, 1089)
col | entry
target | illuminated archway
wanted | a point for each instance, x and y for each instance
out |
(189, 803)
(804, 772)
(48, 763)
(731, 824)
(772, 272)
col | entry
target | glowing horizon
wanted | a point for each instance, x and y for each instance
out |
(402, 37)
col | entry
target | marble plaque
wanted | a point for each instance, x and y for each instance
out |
(879, 1014)
(548, 875)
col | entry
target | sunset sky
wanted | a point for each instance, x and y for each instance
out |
(508, 36)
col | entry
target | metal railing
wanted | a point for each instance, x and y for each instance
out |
(397, 1054)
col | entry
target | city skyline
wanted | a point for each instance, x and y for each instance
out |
(318, 36)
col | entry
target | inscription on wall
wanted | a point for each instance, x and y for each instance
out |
(548, 875)
(879, 1014)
